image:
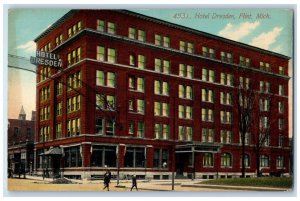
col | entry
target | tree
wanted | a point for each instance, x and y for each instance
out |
(264, 121)
(245, 102)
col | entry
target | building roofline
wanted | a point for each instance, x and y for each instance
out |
(163, 22)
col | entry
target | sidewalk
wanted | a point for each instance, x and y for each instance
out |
(166, 185)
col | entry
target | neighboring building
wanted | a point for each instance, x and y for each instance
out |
(133, 89)
(21, 143)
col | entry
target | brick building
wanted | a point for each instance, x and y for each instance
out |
(134, 89)
(21, 133)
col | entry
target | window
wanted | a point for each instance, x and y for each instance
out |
(161, 158)
(73, 156)
(186, 47)
(16, 131)
(264, 105)
(205, 51)
(59, 87)
(161, 88)
(141, 35)
(162, 40)
(264, 87)
(280, 124)
(226, 160)
(226, 117)
(264, 161)
(59, 39)
(74, 56)
(186, 71)
(73, 126)
(244, 61)
(161, 131)
(45, 73)
(281, 90)
(107, 79)
(264, 122)
(141, 62)
(73, 104)
(281, 141)
(281, 70)
(226, 79)
(207, 114)
(226, 136)
(45, 93)
(136, 84)
(141, 129)
(105, 126)
(208, 75)
(226, 56)
(162, 66)
(281, 107)
(105, 102)
(140, 106)
(279, 162)
(161, 109)
(225, 98)
(208, 160)
(134, 157)
(265, 66)
(132, 33)
(109, 56)
(103, 156)
(207, 135)
(131, 130)
(264, 139)
(58, 130)
(185, 133)
(185, 92)
(185, 112)
(59, 109)
(158, 39)
(247, 138)
(212, 53)
(111, 28)
(246, 160)
(207, 95)
(245, 83)
(100, 25)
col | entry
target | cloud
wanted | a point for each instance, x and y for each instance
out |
(277, 48)
(28, 47)
(265, 39)
(236, 32)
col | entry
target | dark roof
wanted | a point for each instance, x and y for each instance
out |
(170, 24)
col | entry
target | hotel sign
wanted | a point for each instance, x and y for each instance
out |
(47, 59)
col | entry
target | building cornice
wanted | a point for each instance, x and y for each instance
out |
(165, 23)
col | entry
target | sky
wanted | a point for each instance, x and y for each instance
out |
(270, 29)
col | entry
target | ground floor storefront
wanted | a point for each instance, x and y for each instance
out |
(89, 160)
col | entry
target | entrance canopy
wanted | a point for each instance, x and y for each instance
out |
(187, 148)
(54, 151)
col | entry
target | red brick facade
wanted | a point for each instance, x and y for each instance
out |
(87, 38)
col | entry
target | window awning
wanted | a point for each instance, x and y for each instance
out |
(186, 148)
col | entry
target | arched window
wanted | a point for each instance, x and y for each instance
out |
(247, 160)
(226, 160)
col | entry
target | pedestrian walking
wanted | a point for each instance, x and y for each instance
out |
(134, 183)
(106, 181)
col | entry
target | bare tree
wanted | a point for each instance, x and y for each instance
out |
(264, 120)
(245, 102)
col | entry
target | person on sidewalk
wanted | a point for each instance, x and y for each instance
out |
(106, 181)
(134, 183)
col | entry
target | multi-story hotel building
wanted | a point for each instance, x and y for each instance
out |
(133, 90)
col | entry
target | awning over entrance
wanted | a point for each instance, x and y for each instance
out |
(54, 151)
(186, 148)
